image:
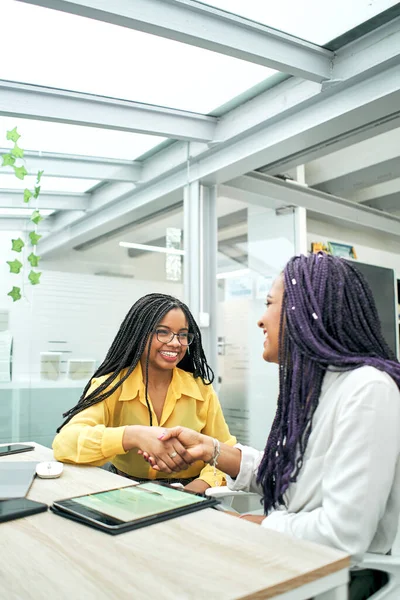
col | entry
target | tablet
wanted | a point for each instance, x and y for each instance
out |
(124, 509)
(17, 508)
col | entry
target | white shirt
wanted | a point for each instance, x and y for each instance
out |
(347, 494)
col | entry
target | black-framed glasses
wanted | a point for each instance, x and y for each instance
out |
(165, 336)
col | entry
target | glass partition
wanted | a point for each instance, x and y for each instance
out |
(254, 244)
(52, 339)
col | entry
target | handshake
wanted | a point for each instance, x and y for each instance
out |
(176, 448)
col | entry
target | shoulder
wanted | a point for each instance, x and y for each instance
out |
(96, 382)
(366, 376)
(366, 387)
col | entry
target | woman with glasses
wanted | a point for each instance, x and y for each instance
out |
(155, 375)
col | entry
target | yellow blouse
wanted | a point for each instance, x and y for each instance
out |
(94, 436)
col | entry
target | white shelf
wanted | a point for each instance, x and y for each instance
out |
(43, 384)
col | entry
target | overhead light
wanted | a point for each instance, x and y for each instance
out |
(237, 273)
(152, 248)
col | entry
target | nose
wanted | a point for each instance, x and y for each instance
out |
(260, 323)
(175, 343)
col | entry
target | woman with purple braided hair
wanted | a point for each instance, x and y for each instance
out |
(330, 471)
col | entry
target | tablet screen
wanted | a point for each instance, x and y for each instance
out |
(139, 501)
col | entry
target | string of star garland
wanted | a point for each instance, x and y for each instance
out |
(19, 246)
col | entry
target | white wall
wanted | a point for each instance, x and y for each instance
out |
(371, 247)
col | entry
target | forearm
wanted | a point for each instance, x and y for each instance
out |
(84, 444)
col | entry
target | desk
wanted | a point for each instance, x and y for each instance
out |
(207, 554)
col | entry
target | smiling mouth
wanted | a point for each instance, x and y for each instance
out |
(169, 355)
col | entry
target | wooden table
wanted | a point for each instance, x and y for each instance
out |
(207, 554)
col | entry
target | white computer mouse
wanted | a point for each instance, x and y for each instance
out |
(49, 470)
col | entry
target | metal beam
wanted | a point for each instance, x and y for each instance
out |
(359, 166)
(378, 190)
(209, 28)
(64, 202)
(389, 203)
(51, 104)
(192, 243)
(283, 126)
(292, 194)
(79, 167)
(20, 224)
(362, 178)
(366, 54)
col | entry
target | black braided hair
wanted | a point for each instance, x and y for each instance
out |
(129, 344)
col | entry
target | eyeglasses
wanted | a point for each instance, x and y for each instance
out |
(165, 336)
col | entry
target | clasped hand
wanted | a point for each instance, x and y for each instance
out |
(178, 446)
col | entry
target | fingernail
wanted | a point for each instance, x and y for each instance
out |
(161, 436)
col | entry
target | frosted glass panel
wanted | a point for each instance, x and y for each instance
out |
(249, 386)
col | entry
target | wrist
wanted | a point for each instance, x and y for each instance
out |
(208, 444)
(131, 437)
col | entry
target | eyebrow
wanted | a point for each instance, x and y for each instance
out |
(166, 327)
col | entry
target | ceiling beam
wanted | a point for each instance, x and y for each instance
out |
(20, 224)
(283, 126)
(51, 104)
(79, 167)
(379, 190)
(362, 178)
(210, 28)
(357, 166)
(46, 201)
(389, 203)
(292, 194)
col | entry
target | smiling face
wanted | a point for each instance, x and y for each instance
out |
(166, 355)
(270, 321)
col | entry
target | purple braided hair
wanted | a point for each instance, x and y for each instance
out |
(328, 319)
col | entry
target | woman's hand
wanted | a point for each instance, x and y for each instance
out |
(199, 486)
(199, 446)
(258, 519)
(169, 456)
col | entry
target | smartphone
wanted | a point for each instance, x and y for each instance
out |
(17, 508)
(14, 449)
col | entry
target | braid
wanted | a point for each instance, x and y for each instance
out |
(129, 344)
(328, 321)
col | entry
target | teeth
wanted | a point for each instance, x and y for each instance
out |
(169, 353)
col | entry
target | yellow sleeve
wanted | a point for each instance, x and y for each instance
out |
(88, 438)
(216, 427)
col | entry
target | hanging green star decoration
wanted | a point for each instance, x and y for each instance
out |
(20, 172)
(34, 237)
(17, 152)
(37, 191)
(15, 265)
(17, 245)
(39, 177)
(27, 195)
(13, 135)
(15, 294)
(8, 160)
(36, 217)
(34, 277)
(33, 259)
